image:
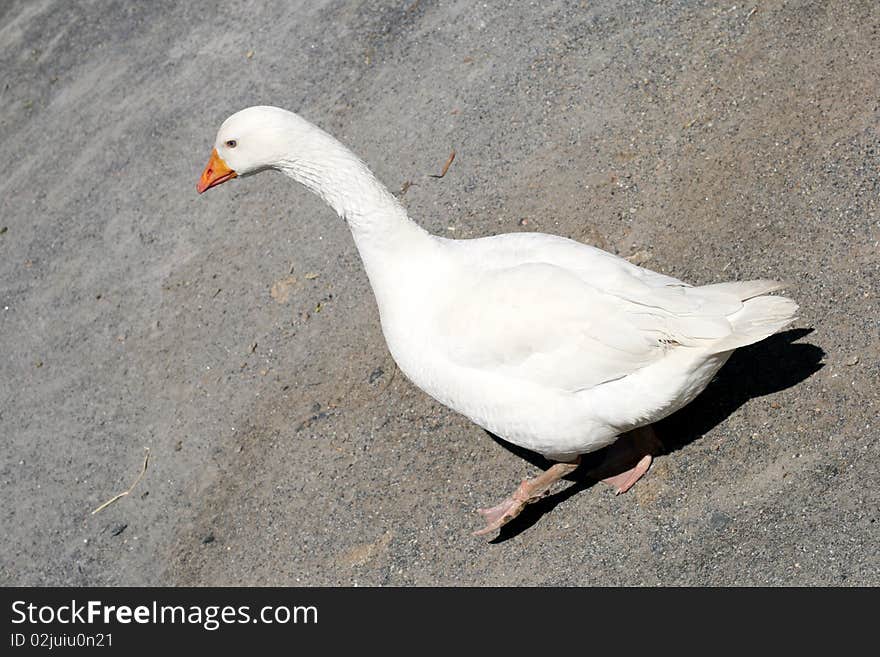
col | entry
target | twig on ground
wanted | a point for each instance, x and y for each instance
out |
(130, 488)
(445, 166)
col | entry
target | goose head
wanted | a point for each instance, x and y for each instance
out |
(250, 141)
(260, 138)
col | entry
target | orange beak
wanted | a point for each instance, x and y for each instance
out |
(216, 172)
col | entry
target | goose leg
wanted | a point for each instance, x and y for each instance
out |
(530, 490)
(638, 446)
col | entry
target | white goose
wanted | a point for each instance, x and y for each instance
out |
(553, 345)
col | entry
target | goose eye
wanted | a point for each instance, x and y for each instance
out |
(232, 143)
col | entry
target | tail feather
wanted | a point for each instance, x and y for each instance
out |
(759, 318)
(745, 290)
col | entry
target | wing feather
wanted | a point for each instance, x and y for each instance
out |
(542, 323)
(570, 316)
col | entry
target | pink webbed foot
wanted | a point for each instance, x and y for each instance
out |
(529, 491)
(500, 514)
(628, 459)
(625, 480)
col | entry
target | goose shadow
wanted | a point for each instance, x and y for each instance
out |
(763, 368)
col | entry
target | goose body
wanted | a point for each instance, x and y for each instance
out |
(553, 345)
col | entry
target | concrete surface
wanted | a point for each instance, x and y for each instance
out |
(235, 334)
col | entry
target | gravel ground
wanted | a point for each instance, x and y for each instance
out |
(236, 336)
